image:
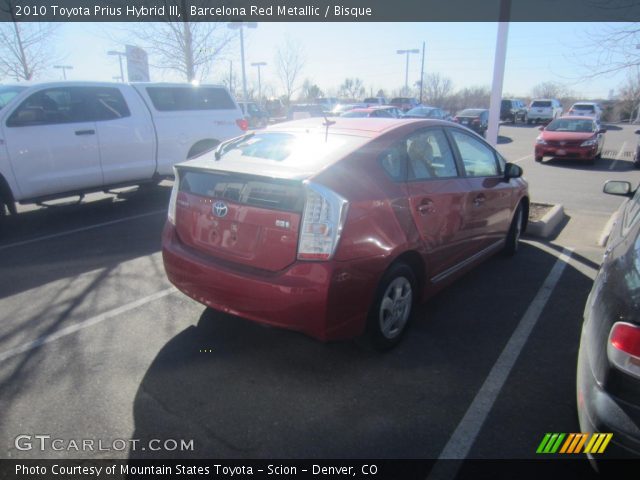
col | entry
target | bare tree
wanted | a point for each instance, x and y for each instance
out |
(26, 48)
(310, 91)
(436, 88)
(608, 49)
(630, 97)
(289, 64)
(352, 88)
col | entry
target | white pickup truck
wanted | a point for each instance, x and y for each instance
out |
(69, 138)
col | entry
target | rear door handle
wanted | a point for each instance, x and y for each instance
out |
(425, 207)
(479, 200)
(85, 132)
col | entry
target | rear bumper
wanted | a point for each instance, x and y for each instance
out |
(600, 412)
(325, 300)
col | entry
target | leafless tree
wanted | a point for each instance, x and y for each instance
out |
(352, 88)
(289, 64)
(436, 88)
(608, 49)
(26, 48)
(630, 96)
(310, 91)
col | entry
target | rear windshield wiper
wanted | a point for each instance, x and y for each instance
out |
(224, 146)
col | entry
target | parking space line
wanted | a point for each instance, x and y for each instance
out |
(469, 427)
(89, 322)
(81, 229)
(618, 156)
(523, 158)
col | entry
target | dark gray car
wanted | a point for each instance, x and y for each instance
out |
(608, 380)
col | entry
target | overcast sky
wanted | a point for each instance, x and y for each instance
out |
(537, 52)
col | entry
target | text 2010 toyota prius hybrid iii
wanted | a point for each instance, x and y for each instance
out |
(336, 228)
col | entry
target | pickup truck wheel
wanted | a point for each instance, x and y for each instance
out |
(392, 308)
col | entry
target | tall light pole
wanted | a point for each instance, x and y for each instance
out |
(259, 65)
(406, 70)
(120, 55)
(498, 72)
(64, 69)
(240, 26)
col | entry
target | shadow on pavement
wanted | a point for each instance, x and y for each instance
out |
(240, 390)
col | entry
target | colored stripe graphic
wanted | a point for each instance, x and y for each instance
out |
(551, 443)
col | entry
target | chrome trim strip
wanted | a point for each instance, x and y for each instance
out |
(450, 271)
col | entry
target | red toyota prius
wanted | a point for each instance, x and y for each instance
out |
(337, 228)
(573, 137)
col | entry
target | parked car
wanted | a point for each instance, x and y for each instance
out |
(543, 110)
(305, 110)
(426, 112)
(404, 103)
(69, 138)
(337, 229)
(256, 116)
(476, 119)
(328, 103)
(608, 377)
(371, 101)
(394, 111)
(276, 109)
(636, 156)
(579, 138)
(367, 112)
(586, 109)
(512, 110)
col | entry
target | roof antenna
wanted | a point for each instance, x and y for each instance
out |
(327, 123)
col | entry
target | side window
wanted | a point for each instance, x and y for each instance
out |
(478, 159)
(108, 103)
(394, 162)
(190, 98)
(633, 213)
(52, 106)
(429, 156)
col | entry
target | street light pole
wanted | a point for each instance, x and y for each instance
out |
(64, 69)
(259, 65)
(406, 71)
(240, 26)
(120, 55)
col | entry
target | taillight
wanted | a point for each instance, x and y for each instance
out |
(171, 214)
(243, 124)
(623, 348)
(322, 220)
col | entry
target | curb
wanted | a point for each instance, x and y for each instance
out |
(606, 231)
(544, 227)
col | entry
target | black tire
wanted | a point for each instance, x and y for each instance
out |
(538, 159)
(515, 230)
(392, 307)
(636, 164)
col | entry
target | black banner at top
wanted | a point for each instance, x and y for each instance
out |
(320, 10)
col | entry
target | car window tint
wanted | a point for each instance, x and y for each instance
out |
(429, 156)
(394, 162)
(190, 98)
(53, 106)
(478, 159)
(107, 103)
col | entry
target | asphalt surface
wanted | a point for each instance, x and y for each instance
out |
(94, 344)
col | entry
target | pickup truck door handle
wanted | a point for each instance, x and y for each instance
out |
(425, 207)
(479, 200)
(85, 132)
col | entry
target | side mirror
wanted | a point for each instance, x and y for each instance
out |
(511, 170)
(541, 127)
(617, 187)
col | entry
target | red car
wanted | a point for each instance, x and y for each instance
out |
(573, 137)
(336, 228)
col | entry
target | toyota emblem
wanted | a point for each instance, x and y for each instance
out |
(220, 209)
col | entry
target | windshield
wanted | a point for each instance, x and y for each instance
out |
(355, 114)
(587, 108)
(541, 103)
(471, 112)
(400, 100)
(570, 125)
(7, 94)
(422, 112)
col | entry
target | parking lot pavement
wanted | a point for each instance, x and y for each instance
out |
(95, 343)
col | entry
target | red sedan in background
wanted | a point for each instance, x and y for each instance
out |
(337, 228)
(572, 137)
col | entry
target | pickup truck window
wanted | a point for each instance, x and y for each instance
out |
(167, 99)
(69, 105)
